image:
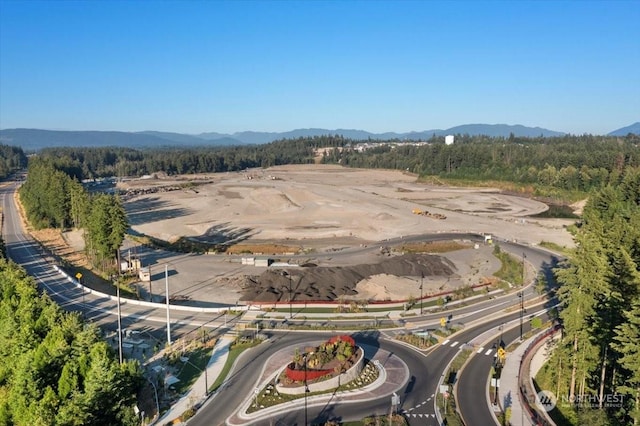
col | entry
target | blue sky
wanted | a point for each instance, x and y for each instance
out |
(200, 66)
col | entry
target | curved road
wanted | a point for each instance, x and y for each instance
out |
(22, 249)
(416, 398)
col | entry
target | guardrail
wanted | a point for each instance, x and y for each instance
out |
(148, 304)
(526, 387)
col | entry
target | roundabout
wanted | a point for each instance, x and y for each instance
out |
(392, 375)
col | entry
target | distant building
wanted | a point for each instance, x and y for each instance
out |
(448, 140)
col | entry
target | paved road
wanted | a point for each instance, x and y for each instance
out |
(417, 398)
(246, 374)
(473, 383)
(22, 249)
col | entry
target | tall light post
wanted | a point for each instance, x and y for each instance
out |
(498, 367)
(306, 388)
(166, 297)
(155, 391)
(286, 274)
(206, 378)
(521, 296)
(521, 293)
(421, 280)
(119, 321)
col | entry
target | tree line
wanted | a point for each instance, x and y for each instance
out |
(55, 369)
(566, 162)
(595, 369)
(12, 159)
(54, 199)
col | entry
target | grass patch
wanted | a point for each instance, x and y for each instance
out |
(262, 249)
(420, 342)
(445, 332)
(555, 247)
(558, 211)
(234, 352)
(193, 368)
(434, 247)
(512, 269)
(448, 406)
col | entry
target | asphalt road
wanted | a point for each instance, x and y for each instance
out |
(243, 380)
(472, 384)
(22, 249)
(415, 399)
(417, 396)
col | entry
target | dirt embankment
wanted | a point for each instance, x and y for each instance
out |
(331, 283)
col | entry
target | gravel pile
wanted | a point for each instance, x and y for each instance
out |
(322, 283)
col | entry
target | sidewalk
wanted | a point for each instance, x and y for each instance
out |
(197, 392)
(508, 392)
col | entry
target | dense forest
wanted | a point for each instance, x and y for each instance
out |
(566, 163)
(53, 199)
(55, 369)
(11, 159)
(595, 370)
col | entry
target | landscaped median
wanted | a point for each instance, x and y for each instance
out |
(335, 365)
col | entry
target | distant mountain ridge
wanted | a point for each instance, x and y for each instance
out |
(624, 131)
(35, 139)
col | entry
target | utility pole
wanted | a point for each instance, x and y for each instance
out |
(306, 388)
(286, 274)
(119, 322)
(521, 295)
(290, 298)
(421, 280)
(166, 296)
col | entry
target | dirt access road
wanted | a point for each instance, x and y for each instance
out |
(319, 209)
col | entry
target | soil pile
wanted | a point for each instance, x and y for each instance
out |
(321, 283)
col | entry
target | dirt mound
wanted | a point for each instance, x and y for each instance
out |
(330, 283)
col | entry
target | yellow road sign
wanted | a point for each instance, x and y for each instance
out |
(78, 275)
(501, 353)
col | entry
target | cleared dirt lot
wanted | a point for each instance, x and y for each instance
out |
(321, 209)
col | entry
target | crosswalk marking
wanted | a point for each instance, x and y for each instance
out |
(445, 342)
(488, 351)
(454, 344)
(480, 350)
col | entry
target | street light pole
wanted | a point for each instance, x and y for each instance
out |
(521, 295)
(166, 296)
(290, 298)
(119, 322)
(206, 381)
(286, 274)
(524, 256)
(306, 388)
(421, 280)
(155, 391)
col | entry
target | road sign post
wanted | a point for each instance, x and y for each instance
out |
(79, 277)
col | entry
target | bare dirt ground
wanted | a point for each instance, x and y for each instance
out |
(319, 209)
(315, 202)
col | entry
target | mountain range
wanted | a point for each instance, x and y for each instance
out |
(35, 139)
(624, 131)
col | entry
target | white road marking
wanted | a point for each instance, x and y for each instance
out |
(480, 350)
(488, 351)
(445, 342)
(454, 344)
